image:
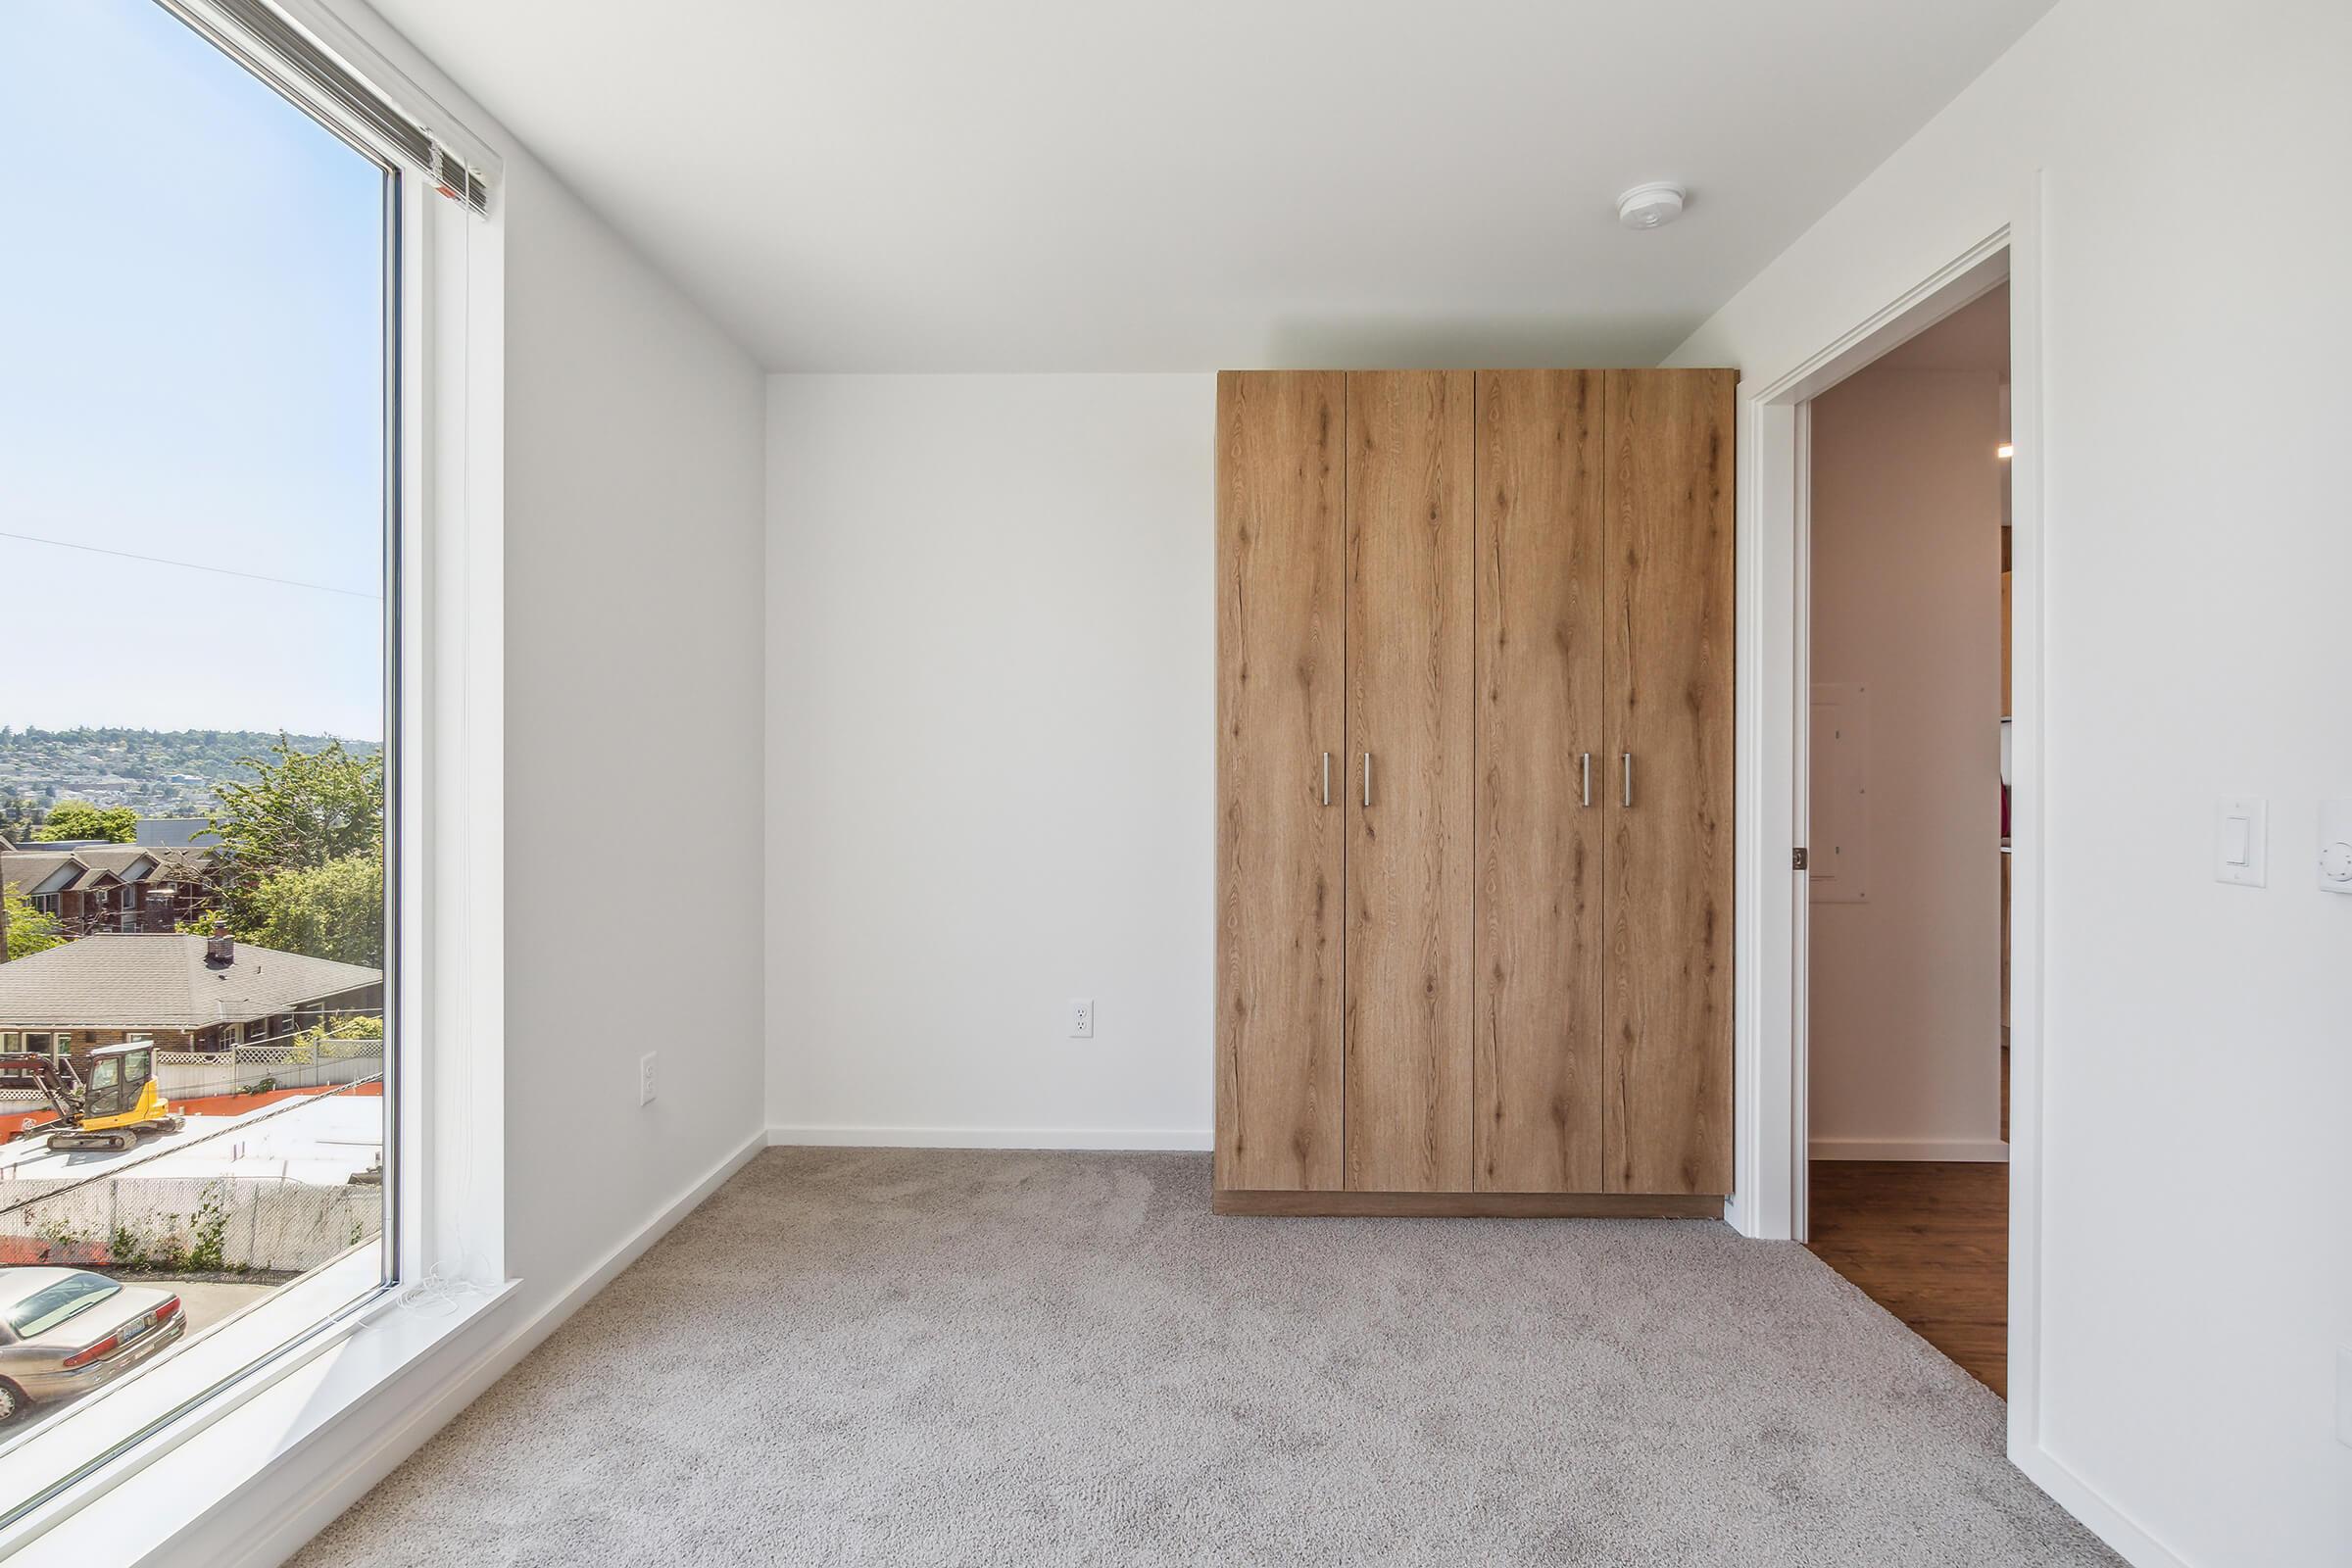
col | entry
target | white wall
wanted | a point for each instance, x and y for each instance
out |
(1904, 1006)
(990, 652)
(634, 477)
(2196, 1261)
(633, 487)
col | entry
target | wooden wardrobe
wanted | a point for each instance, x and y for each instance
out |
(1474, 792)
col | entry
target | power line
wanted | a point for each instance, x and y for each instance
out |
(191, 565)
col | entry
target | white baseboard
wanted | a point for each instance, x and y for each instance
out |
(373, 1451)
(1200, 1140)
(2103, 1519)
(1977, 1150)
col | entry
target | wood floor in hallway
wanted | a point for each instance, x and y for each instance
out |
(1929, 1243)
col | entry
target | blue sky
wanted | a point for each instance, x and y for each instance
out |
(191, 368)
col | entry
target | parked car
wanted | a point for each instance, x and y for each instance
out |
(65, 1331)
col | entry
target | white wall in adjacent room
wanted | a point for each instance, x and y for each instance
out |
(1903, 1010)
(991, 662)
(2196, 1261)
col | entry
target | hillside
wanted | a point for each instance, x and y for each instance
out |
(154, 772)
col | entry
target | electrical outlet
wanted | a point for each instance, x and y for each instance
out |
(644, 1079)
(1082, 1017)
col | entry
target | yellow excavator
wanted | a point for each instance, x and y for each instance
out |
(121, 1104)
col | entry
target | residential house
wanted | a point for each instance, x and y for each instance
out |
(105, 888)
(186, 992)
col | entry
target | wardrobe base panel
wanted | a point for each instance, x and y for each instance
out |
(1468, 1205)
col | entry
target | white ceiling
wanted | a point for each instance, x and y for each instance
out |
(1190, 184)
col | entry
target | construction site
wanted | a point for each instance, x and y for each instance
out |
(253, 1186)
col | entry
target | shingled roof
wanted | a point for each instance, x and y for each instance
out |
(32, 870)
(116, 858)
(164, 982)
(29, 872)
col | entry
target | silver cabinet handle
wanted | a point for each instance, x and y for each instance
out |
(1629, 778)
(1326, 778)
(1367, 778)
(1588, 778)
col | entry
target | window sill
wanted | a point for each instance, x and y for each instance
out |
(231, 1459)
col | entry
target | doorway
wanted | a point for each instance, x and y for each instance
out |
(1907, 803)
(1773, 1147)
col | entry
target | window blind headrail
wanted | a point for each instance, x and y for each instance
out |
(289, 59)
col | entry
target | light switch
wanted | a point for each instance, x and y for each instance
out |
(2240, 839)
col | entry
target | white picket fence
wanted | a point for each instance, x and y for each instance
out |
(190, 1075)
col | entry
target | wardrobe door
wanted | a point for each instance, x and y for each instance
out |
(1542, 773)
(1669, 865)
(1409, 784)
(1280, 829)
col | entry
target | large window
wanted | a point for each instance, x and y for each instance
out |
(197, 462)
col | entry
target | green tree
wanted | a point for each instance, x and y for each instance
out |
(334, 910)
(345, 1037)
(29, 931)
(80, 819)
(302, 809)
(18, 816)
(281, 874)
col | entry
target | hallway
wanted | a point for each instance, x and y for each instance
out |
(1929, 1243)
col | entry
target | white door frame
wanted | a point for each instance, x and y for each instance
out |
(1774, 683)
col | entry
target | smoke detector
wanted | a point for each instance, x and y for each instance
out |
(1651, 206)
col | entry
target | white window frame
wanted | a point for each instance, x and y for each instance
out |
(296, 1376)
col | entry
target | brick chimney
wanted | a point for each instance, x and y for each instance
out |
(220, 949)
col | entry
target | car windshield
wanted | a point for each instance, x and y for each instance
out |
(51, 1305)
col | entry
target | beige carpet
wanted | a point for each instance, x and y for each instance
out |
(946, 1357)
